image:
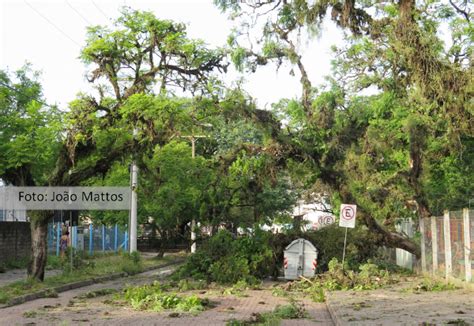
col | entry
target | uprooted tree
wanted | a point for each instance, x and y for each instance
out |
(398, 153)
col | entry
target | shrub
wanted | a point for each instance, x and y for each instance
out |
(132, 263)
(289, 311)
(229, 270)
(77, 261)
(428, 285)
(273, 318)
(361, 246)
(152, 297)
(227, 260)
(187, 285)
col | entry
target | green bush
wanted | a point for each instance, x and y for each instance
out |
(273, 318)
(154, 298)
(17, 263)
(133, 262)
(77, 261)
(54, 262)
(229, 270)
(361, 246)
(429, 284)
(187, 285)
(289, 311)
(227, 260)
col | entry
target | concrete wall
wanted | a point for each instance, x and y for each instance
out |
(15, 240)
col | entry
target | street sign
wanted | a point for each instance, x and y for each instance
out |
(347, 215)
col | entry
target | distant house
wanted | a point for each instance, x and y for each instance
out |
(313, 216)
(316, 215)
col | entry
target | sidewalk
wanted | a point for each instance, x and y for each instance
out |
(396, 306)
(14, 275)
(68, 309)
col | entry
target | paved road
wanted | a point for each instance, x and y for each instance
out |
(398, 306)
(66, 310)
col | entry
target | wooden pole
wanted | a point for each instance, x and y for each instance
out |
(448, 263)
(434, 243)
(423, 249)
(467, 244)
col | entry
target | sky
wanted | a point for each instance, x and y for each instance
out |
(49, 34)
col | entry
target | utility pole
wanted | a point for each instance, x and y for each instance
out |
(70, 227)
(193, 139)
(133, 207)
(193, 221)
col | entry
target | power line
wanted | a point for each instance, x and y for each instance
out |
(29, 98)
(103, 13)
(77, 12)
(52, 24)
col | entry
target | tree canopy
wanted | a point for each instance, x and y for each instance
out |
(390, 130)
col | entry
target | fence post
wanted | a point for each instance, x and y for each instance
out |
(91, 239)
(467, 244)
(422, 245)
(125, 247)
(447, 245)
(58, 237)
(434, 243)
(115, 237)
(71, 234)
(103, 237)
(74, 237)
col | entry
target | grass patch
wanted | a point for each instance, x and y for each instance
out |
(14, 264)
(273, 318)
(458, 322)
(53, 262)
(30, 314)
(360, 305)
(94, 267)
(239, 288)
(96, 293)
(189, 285)
(155, 298)
(432, 285)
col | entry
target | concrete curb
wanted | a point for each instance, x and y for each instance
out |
(335, 319)
(53, 292)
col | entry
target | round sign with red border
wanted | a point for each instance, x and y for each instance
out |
(348, 213)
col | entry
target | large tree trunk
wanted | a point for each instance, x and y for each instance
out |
(389, 238)
(39, 248)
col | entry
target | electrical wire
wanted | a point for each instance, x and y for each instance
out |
(101, 11)
(79, 14)
(29, 98)
(51, 23)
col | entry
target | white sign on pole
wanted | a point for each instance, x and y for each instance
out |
(347, 217)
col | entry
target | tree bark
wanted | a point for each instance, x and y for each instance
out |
(391, 239)
(39, 248)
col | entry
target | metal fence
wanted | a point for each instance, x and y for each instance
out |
(446, 243)
(89, 238)
(402, 257)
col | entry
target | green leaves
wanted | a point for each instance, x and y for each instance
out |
(29, 132)
(143, 50)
